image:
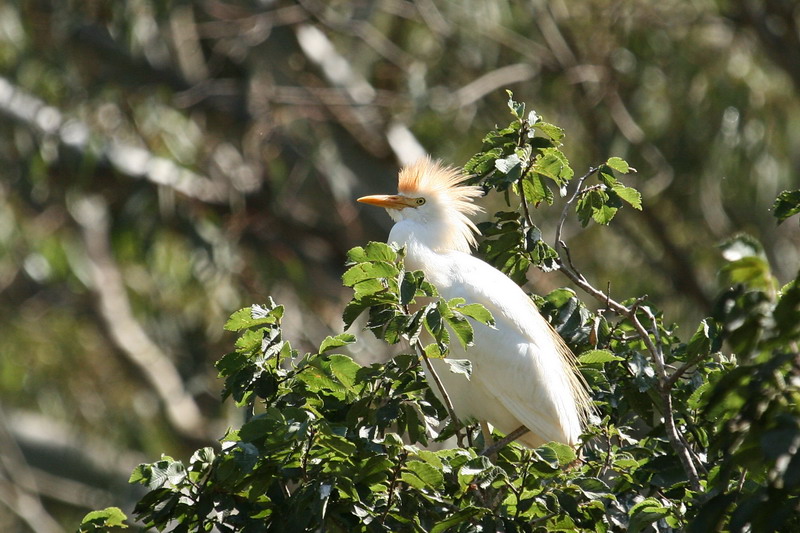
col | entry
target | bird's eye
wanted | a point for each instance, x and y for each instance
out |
(420, 201)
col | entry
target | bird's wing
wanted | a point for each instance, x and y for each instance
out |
(523, 363)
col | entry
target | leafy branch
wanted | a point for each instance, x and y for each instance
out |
(599, 202)
(665, 380)
(329, 444)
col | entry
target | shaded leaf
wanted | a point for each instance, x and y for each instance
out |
(787, 204)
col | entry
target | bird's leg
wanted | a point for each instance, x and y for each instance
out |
(499, 445)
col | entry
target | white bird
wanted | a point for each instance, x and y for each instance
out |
(522, 372)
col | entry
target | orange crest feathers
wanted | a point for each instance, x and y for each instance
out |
(442, 184)
(429, 176)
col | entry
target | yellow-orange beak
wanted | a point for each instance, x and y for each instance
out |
(389, 201)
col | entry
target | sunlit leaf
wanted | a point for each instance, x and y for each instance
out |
(630, 195)
(598, 357)
(618, 164)
(460, 366)
(338, 341)
(100, 521)
(363, 271)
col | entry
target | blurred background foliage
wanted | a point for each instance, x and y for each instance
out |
(164, 163)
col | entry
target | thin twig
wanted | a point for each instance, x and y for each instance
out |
(681, 370)
(654, 348)
(392, 485)
(445, 397)
(183, 412)
(499, 445)
(564, 211)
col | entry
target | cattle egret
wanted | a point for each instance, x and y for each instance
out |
(523, 375)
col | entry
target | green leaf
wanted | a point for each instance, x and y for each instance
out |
(100, 521)
(356, 255)
(751, 271)
(250, 340)
(517, 108)
(255, 315)
(461, 327)
(536, 190)
(380, 251)
(338, 341)
(694, 401)
(340, 445)
(592, 204)
(363, 271)
(478, 312)
(619, 164)
(433, 351)
(704, 339)
(553, 132)
(160, 473)
(604, 214)
(352, 311)
(592, 357)
(368, 287)
(511, 166)
(460, 366)
(553, 164)
(434, 322)
(140, 474)
(374, 470)
(557, 453)
(231, 363)
(593, 487)
(645, 513)
(260, 426)
(430, 476)
(483, 163)
(630, 195)
(459, 517)
(787, 204)
(344, 369)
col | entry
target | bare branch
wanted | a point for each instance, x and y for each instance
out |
(181, 409)
(18, 487)
(132, 161)
(492, 81)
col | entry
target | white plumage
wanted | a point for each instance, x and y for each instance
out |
(522, 372)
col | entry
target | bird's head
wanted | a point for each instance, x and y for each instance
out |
(433, 204)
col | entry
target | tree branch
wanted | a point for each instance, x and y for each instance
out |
(107, 283)
(502, 443)
(46, 121)
(18, 487)
(654, 348)
(439, 385)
